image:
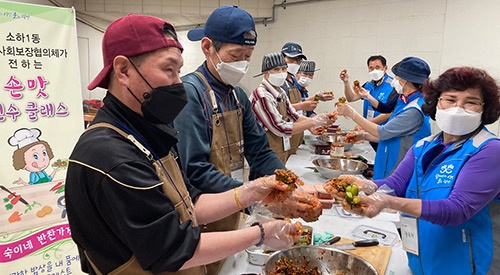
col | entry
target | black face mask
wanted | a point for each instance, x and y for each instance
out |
(162, 104)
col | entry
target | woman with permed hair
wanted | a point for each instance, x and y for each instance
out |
(447, 185)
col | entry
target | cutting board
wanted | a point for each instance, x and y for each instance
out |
(378, 255)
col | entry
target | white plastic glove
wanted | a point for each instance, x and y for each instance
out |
(322, 120)
(280, 234)
(345, 110)
(370, 206)
(325, 96)
(298, 204)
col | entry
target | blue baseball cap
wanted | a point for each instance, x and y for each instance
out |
(412, 69)
(292, 50)
(228, 24)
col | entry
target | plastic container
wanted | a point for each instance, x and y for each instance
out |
(368, 232)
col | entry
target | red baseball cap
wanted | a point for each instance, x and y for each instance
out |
(133, 35)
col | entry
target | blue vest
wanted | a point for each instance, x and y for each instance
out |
(380, 92)
(463, 249)
(391, 151)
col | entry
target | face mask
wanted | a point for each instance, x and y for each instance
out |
(376, 75)
(397, 86)
(456, 121)
(277, 79)
(162, 104)
(292, 68)
(304, 81)
(231, 73)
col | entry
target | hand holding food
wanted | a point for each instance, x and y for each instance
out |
(341, 100)
(324, 119)
(324, 96)
(281, 234)
(346, 110)
(354, 136)
(356, 84)
(337, 186)
(285, 182)
(362, 92)
(298, 204)
(309, 105)
(369, 206)
(317, 130)
(344, 76)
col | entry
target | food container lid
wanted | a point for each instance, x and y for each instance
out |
(368, 232)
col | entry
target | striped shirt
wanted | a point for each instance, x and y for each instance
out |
(265, 101)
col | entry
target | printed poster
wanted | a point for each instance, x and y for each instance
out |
(41, 118)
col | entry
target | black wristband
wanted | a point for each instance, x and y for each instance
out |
(262, 233)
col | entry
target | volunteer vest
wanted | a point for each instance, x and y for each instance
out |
(463, 249)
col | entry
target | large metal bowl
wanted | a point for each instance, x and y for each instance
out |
(327, 260)
(334, 167)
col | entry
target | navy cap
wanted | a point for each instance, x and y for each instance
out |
(412, 69)
(308, 67)
(271, 61)
(292, 50)
(228, 24)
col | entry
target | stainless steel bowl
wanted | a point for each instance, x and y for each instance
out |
(330, 137)
(326, 260)
(334, 167)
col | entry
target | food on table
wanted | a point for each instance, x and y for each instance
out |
(285, 266)
(350, 137)
(356, 83)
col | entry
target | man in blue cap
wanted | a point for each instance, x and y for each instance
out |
(217, 127)
(406, 125)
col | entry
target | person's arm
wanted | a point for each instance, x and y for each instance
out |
(405, 123)
(378, 105)
(307, 105)
(380, 118)
(195, 140)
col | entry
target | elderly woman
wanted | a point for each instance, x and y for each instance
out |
(448, 183)
(273, 109)
(405, 126)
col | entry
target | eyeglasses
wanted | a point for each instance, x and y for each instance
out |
(469, 104)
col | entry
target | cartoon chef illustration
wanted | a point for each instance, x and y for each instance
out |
(32, 155)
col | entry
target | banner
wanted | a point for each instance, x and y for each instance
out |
(41, 118)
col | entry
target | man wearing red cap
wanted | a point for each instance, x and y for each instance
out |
(129, 209)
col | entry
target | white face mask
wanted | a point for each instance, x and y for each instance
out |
(456, 121)
(277, 79)
(376, 75)
(304, 81)
(397, 86)
(231, 73)
(293, 68)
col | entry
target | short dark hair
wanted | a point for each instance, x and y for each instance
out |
(376, 57)
(460, 79)
(218, 44)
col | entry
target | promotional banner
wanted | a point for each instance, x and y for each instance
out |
(41, 118)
